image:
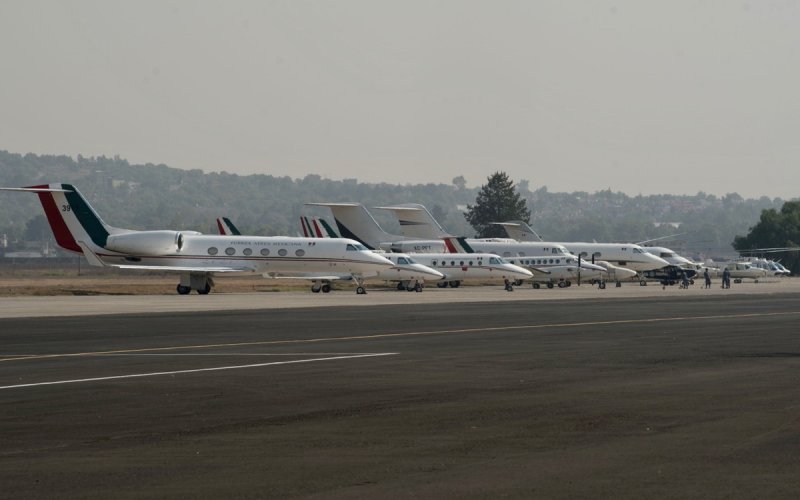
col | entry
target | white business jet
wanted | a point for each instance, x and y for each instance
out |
(409, 274)
(79, 229)
(354, 220)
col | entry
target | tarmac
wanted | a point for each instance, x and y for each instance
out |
(631, 392)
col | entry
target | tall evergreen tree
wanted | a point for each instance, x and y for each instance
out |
(776, 230)
(497, 201)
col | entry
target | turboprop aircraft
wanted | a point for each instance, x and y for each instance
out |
(410, 274)
(196, 256)
(456, 267)
(627, 255)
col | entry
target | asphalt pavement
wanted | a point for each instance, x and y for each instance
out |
(663, 396)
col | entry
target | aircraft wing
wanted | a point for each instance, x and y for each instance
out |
(330, 277)
(189, 269)
(95, 260)
(537, 271)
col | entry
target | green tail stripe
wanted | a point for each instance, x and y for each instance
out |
(233, 229)
(465, 245)
(93, 226)
(328, 229)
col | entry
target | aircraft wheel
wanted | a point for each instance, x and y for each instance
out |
(509, 288)
(184, 290)
(691, 282)
(361, 290)
(737, 280)
(315, 288)
(441, 284)
(205, 290)
(410, 288)
(549, 285)
(642, 283)
(418, 287)
(562, 284)
(619, 284)
(326, 288)
(455, 284)
(536, 286)
(517, 282)
(400, 286)
(601, 286)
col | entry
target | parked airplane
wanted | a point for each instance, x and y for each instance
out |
(738, 270)
(549, 264)
(627, 255)
(79, 229)
(456, 267)
(410, 274)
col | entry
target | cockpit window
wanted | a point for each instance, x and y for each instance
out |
(494, 260)
(402, 260)
(351, 248)
(637, 250)
(360, 247)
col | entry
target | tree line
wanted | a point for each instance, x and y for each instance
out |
(155, 196)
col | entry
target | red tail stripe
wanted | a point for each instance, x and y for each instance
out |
(450, 247)
(303, 225)
(316, 228)
(220, 226)
(60, 230)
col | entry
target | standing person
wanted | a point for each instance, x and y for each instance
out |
(726, 278)
(707, 277)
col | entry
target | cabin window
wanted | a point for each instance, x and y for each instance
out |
(300, 252)
(452, 263)
(434, 262)
(470, 263)
(551, 261)
(247, 251)
(558, 261)
(462, 263)
(213, 251)
(282, 252)
(265, 251)
(230, 251)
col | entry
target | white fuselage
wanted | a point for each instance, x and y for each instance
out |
(261, 254)
(472, 266)
(627, 255)
(551, 268)
(406, 268)
(670, 256)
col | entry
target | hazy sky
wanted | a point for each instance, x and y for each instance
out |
(638, 96)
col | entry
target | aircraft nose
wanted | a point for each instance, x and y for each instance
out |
(520, 272)
(433, 273)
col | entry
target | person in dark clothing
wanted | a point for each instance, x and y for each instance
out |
(707, 277)
(726, 278)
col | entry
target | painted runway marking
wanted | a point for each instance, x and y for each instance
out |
(196, 370)
(492, 329)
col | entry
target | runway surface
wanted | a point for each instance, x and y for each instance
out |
(672, 395)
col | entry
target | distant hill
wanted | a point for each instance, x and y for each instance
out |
(156, 196)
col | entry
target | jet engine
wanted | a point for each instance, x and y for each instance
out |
(146, 242)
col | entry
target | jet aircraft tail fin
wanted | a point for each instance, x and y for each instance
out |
(71, 217)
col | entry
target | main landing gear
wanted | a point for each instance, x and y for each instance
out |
(407, 286)
(323, 287)
(453, 284)
(200, 282)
